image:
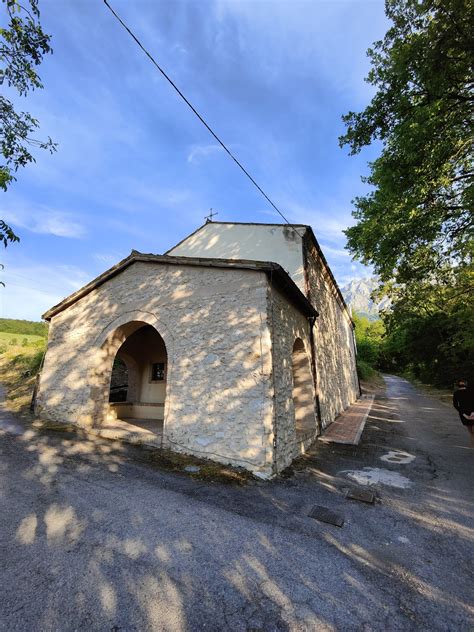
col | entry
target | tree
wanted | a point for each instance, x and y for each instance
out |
(417, 221)
(415, 226)
(22, 47)
(369, 335)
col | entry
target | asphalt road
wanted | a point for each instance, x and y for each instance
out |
(93, 537)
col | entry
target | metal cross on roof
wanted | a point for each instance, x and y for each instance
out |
(209, 217)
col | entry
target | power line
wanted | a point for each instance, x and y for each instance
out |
(8, 273)
(31, 289)
(190, 105)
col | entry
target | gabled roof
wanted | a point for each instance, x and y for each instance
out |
(312, 237)
(233, 224)
(279, 277)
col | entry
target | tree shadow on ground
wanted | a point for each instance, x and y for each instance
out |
(96, 537)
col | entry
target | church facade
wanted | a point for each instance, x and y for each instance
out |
(236, 345)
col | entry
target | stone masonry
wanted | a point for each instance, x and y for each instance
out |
(217, 327)
(335, 346)
(259, 355)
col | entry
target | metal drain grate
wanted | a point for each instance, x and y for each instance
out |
(323, 514)
(363, 495)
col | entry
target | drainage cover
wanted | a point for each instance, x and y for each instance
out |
(364, 495)
(323, 514)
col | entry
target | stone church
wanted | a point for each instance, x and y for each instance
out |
(235, 345)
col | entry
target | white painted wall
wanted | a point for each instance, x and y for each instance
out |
(267, 242)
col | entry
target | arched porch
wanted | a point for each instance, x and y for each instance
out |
(131, 383)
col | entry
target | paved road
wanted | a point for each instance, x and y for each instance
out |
(93, 537)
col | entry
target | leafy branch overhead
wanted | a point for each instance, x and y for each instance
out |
(417, 221)
(23, 45)
(415, 226)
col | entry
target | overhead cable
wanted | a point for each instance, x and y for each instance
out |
(190, 105)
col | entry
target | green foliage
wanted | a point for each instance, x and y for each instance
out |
(415, 226)
(431, 335)
(417, 220)
(6, 232)
(368, 334)
(365, 370)
(23, 44)
(27, 327)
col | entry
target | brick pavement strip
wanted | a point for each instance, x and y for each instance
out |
(348, 427)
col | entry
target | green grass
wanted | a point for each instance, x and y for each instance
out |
(18, 369)
(19, 327)
(12, 339)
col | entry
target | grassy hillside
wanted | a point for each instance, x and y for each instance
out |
(23, 327)
(22, 345)
(19, 366)
(18, 339)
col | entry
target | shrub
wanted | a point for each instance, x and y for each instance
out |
(365, 370)
(27, 364)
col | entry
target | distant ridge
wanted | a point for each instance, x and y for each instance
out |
(26, 327)
(357, 294)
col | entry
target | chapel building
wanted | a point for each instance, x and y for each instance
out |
(235, 345)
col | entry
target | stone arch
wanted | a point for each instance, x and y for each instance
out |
(303, 396)
(140, 316)
(107, 345)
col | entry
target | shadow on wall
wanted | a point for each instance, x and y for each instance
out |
(335, 355)
(216, 349)
(303, 393)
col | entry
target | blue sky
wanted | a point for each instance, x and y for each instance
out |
(134, 167)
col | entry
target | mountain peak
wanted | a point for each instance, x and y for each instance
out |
(357, 294)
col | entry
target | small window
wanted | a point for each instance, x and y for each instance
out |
(158, 372)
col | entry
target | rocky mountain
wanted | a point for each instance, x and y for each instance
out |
(357, 294)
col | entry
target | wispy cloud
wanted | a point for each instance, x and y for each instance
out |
(197, 153)
(335, 252)
(46, 221)
(107, 259)
(31, 289)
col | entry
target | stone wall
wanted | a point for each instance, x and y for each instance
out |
(288, 324)
(214, 324)
(337, 376)
(335, 350)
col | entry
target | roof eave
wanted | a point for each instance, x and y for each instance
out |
(270, 268)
